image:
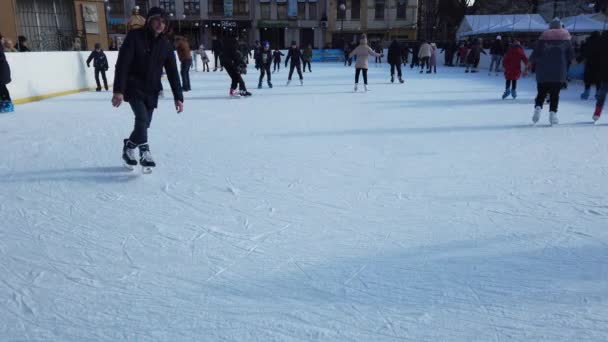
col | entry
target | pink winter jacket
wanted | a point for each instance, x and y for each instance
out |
(363, 51)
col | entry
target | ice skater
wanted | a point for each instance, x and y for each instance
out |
(185, 57)
(497, 51)
(307, 58)
(276, 60)
(204, 57)
(394, 58)
(262, 62)
(216, 49)
(551, 58)
(137, 80)
(233, 61)
(474, 56)
(295, 55)
(100, 64)
(603, 77)
(512, 62)
(424, 55)
(590, 56)
(433, 59)
(362, 52)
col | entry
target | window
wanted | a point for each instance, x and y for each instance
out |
(312, 11)
(301, 10)
(192, 7)
(355, 9)
(241, 7)
(282, 11)
(379, 7)
(265, 11)
(218, 7)
(168, 5)
(401, 9)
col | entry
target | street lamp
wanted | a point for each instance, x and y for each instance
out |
(343, 10)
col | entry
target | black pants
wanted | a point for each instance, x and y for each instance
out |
(277, 65)
(589, 84)
(143, 118)
(236, 78)
(185, 71)
(205, 64)
(305, 64)
(425, 61)
(218, 60)
(511, 84)
(415, 62)
(552, 89)
(601, 95)
(378, 59)
(357, 72)
(398, 66)
(295, 66)
(103, 76)
(4, 94)
(265, 70)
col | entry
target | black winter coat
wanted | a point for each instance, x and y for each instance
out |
(100, 61)
(394, 53)
(603, 57)
(230, 55)
(216, 46)
(140, 65)
(497, 48)
(277, 56)
(259, 58)
(593, 59)
(5, 70)
(295, 55)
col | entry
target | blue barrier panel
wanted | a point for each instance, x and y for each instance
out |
(327, 55)
(577, 72)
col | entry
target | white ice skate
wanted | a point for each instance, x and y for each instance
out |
(288, 81)
(301, 82)
(537, 112)
(356, 87)
(553, 120)
(146, 161)
(365, 87)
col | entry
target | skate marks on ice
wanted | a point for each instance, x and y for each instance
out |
(110, 174)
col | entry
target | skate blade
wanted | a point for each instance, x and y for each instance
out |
(146, 170)
(129, 167)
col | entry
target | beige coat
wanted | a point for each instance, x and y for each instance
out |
(426, 50)
(363, 51)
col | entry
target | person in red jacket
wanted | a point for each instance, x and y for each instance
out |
(512, 66)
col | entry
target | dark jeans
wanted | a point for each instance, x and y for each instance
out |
(552, 89)
(398, 66)
(295, 66)
(305, 64)
(357, 72)
(236, 78)
(589, 84)
(511, 84)
(425, 61)
(276, 65)
(4, 94)
(103, 76)
(218, 60)
(265, 70)
(601, 95)
(143, 118)
(185, 71)
(415, 62)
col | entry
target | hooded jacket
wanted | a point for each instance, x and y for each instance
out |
(394, 53)
(99, 60)
(363, 51)
(552, 56)
(512, 62)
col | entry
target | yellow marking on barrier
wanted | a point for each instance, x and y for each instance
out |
(51, 95)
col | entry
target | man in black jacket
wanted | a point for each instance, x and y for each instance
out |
(603, 76)
(394, 59)
(217, 48)
(6, 104)
(232, 60)
(296, 57)
(141, 59)
(497, 51)
(100, 63)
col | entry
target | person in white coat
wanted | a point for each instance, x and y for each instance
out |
(362, 52)
(425, 53)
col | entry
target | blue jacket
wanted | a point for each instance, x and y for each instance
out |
(552, 56)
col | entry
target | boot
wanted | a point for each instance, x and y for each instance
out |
(553, 120)
(301, 82)
(269, 84)
(392, 78)
(145, 157)
(245, 93)
(128, 152)
(356, 87)
(514, 94)
(597, 114)
(260, 85)
(506, 94)
(537, 112)
(233, 93)
(365, 87)
(288, 81)
(585, 95)
(401, 80)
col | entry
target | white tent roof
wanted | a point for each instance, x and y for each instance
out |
(584, 23)
(487, 24)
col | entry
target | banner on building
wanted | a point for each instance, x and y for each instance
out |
(228, 8)
(292, 8)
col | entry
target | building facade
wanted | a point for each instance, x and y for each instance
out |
(51, 25)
